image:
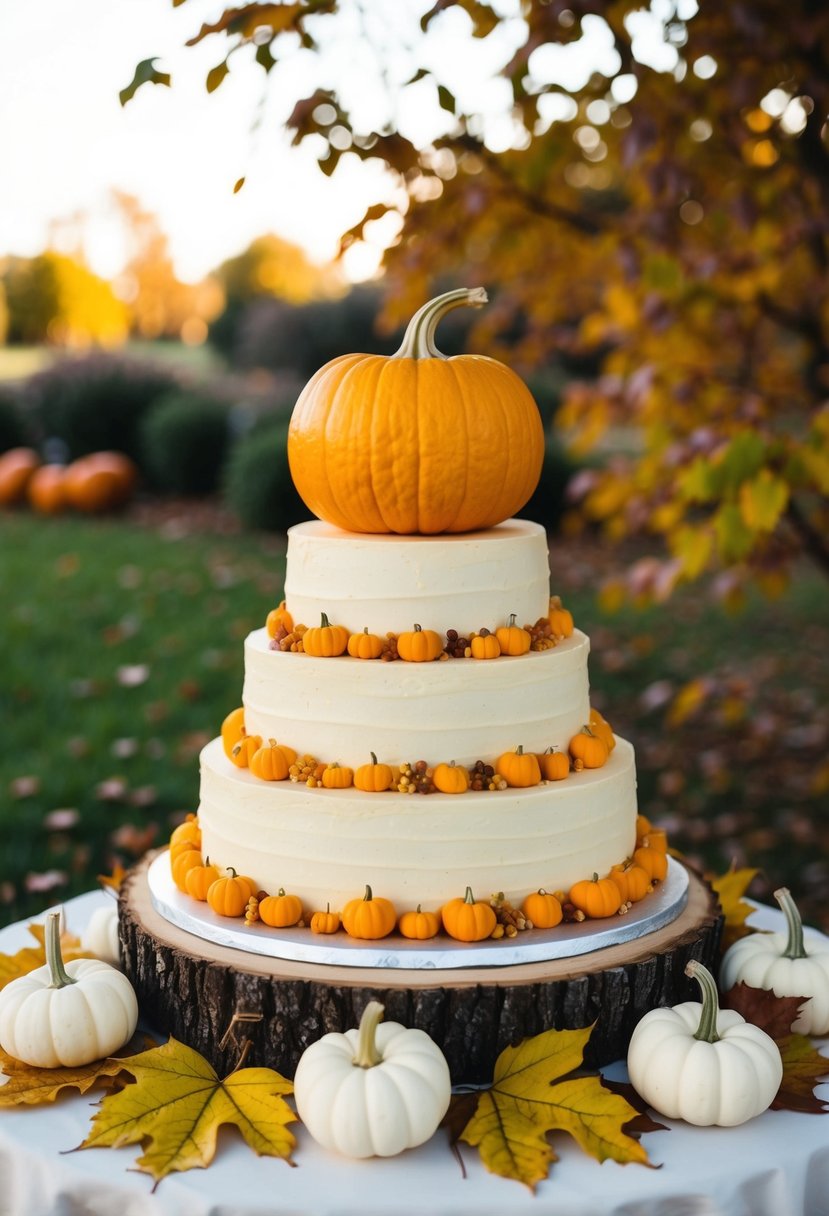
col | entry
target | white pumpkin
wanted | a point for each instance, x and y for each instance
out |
(781, 963)
(375, 1091)
(702, 1064)
(66, 1015)
(100, 937)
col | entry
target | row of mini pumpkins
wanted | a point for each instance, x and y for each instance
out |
(371, 917)
(326, 641)
(98, 482)
(590, 748)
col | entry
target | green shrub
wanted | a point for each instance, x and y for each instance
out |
(96, 403)
(257, 480)
(185, 439)
(15, 431)
(549, 501)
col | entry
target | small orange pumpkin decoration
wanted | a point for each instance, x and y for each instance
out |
(280, 911)
(419, 925)
(245, 749)
(325, 922)
(643, 826)
(17, 466)
(601, 727)
(468, 919)
(419, 645)
(233, 728)
(561, 621)
(652, 861)
(199, 879)
(512, 638)
(633, 882)
(184, 862)
(596, 897)
(325, 641)
(655, 838)
(543, 909)
(589, 748)
(451, 778)
(485, 645)
(373, 778)
(337, 777)
(365, 645)
(519, 769)
(187, 831)
(278, 618)
(229, 896)
(177, 847)
(272, 761)
(371, 917)
(361, 460)
(46, 489)
(554, 765)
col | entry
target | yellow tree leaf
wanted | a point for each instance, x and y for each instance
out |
(178, 1104)
(730, 888)
(113, 881)
(28, 1086)
(28, 958)
(763, 500)
(529, 1098)
(687, 701)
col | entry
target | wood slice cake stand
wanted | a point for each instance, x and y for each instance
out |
(213, 997)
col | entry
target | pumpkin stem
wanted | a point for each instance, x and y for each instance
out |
(707, 1030)
(373, 757)
(418, 629)
(794, 946)
(368, 897)
(367, 1054)
(419, 338)
(324, 621)
(60, 977)
(469, 898)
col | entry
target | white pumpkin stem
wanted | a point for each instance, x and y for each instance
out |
(419, 338)
(60, 977)
(707, 1030)
(794, 946)
(367, 1054)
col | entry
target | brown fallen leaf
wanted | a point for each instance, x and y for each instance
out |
(28, 1086)
(178, 1103)
(763, 1008)
(803, 1068)
(642, 1121)
(533, 1094)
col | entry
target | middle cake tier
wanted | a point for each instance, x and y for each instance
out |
(340, 710)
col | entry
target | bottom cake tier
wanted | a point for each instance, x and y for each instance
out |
(213, 997)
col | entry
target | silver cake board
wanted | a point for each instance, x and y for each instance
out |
(656, 910)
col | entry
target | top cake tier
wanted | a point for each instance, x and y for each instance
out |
(466, 581)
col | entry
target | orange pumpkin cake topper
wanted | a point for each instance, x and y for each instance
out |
(416, 442)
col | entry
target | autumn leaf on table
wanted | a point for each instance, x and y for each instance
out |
(112, 882)
(532, 1094)
(28, 1086)
(803, 1065)
(28, 958)
(178, 1103)
(731, 887)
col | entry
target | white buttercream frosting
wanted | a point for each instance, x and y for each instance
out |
(390, 583)
(341, 709)
(326, 845)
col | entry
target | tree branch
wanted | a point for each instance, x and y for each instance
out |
(813, 541)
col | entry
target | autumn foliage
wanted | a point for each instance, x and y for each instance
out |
(667, 223)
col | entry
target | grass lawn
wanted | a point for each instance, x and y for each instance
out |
(122, 652)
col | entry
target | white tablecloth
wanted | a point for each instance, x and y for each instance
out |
(776, 1165)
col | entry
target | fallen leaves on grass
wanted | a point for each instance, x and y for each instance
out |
(532, 1094)
(177, 1104)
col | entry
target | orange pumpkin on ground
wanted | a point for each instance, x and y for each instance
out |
(372, 443)
(17, 466)
(468, 919)
(46, 489)
(419, 925)
(371, 917)
(100, 481)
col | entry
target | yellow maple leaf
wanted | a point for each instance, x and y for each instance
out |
(113, 881)
(12, 966)
(730, 888)
(177, 1105)
(530, 1097)
(29, 1086)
